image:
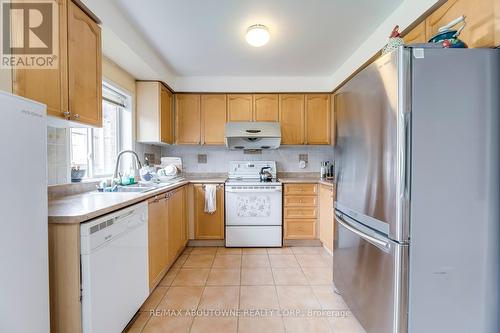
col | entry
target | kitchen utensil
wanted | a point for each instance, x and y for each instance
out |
(448, 37)
(265, 174)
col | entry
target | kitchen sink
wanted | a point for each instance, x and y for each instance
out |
(141, 188)
(134, 188)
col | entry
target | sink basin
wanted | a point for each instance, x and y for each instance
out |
(134, 188)
(142, 188)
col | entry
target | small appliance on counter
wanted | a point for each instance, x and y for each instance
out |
(327, 170)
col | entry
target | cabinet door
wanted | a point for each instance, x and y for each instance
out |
(84, 67)
(213, 117)
(208, 226)
(292, 117)
(416, 35)
(265, 107)
(318, 119)
(326, 218)
(239, 107)
(188, 119)
(48, 86)
(175, 223)
(166, 119)
(185, 220)
(480, 18)
(157, 239)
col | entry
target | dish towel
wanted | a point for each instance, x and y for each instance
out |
(210, 198)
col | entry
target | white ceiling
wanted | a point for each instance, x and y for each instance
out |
(203, 38)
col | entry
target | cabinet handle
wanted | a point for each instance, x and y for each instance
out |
(67, 114)
(77, 116)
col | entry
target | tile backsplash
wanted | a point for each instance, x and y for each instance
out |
(287, 157)
(57, 155)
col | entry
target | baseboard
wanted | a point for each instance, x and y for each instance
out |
(206, 242)
(302, 242)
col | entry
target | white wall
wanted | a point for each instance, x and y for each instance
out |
(123, 43)
(58, 164)
(287, 157)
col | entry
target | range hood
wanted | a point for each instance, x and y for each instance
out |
(253, 135)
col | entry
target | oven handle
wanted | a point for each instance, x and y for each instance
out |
(251, 190)
(375, 241)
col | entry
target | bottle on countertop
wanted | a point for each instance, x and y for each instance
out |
(323, 170)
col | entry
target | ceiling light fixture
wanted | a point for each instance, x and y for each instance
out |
(257, 35)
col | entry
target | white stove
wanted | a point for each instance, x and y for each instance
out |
(253, 208)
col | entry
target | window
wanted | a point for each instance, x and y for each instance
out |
(95, 149)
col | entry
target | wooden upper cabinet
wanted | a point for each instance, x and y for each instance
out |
(417, 34)
(318, 119)
(84, 67)
(291, 118)
(54, 90)
(265, 107)
(480, 30)
(239, 107)
(73, 91)
(154, 114)
(166, 116)
(188, 119)
(213, 118)
(208, 226)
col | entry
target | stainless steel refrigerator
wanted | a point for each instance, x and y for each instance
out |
(417, 208)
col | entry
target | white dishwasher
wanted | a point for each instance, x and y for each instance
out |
(114, 259)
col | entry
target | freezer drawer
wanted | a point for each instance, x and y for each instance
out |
(369, 271)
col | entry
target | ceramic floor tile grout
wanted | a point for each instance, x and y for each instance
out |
(310, 285)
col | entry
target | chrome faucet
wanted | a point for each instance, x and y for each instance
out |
(137, 165)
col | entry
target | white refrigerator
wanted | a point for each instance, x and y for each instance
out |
(24, 281)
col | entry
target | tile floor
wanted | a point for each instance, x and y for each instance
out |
(214, 289)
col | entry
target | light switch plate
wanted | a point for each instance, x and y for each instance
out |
(304, 157)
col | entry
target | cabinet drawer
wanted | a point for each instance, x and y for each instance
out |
(301, 189)
(300, 229)
(301, 213)
(301, 201)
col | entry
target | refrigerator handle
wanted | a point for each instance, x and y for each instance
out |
(384, 245)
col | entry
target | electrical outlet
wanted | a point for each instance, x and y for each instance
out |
(304, 157)
(202, 158)
(150, 157)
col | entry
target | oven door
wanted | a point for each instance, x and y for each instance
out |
(248, 205)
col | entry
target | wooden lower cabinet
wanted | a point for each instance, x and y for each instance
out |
(157, 238)
(176, 223)
(300, 211)
(167, 232)
(64, 278)
(300, 228)
(208, 226)
(326, 216)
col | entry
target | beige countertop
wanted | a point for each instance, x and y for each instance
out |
(84, 206)
(304, 180)
(81, 207)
